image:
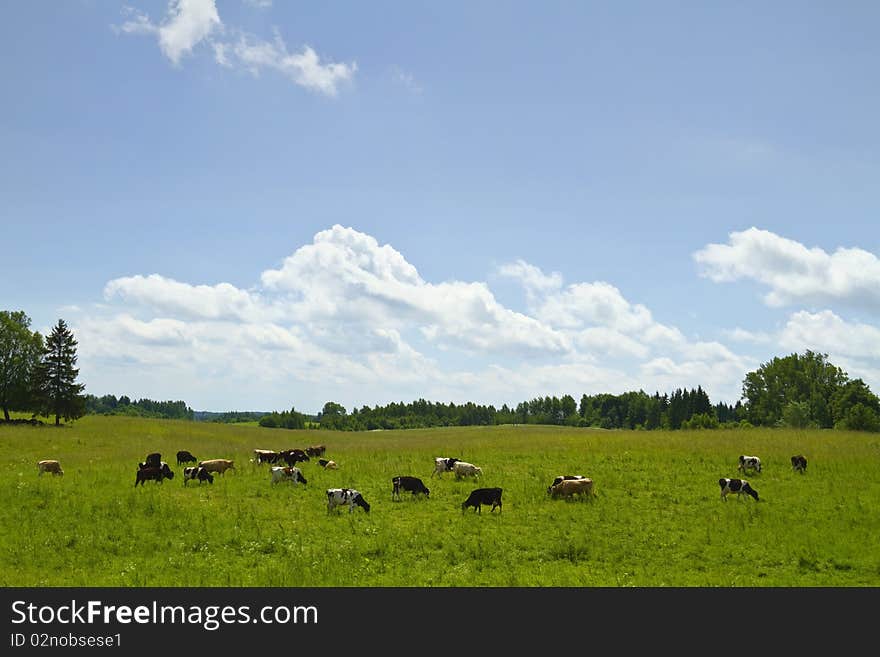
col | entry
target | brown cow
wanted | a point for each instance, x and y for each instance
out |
(568, 488)
(220, 466)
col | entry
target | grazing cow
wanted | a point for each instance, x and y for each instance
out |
(316, 450)
(154, 460)
(739, 486)
(289, 473)
(480, 496)
(749, 463)
(50, 465)
(220, 466)
(412, 484)
(799, 463)
(265, 456)
(341, 496)
(197, 472)
(293, 456)
(443, 464)
(185, 457)
(150, 472)
(563, 478)
(568, 488)
(328, 465)
(464, 469)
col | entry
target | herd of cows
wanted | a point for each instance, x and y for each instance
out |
(153, 468)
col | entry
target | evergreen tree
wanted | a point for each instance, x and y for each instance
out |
(56, 390)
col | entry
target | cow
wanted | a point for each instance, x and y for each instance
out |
(412, 484)
(328, 465)
(289, 473)
(150, 472)
(568, 488)
(559, 478)
(464, 469)
(50, 465)
(799, 463)
(443, 464)
(480, 496)
(185, 457)
(153, 460)
(749, 463)
(220, 466)
(197, 472)
(341, 496)
(293, 456)
(265, 456)
(316, 450)
(739, 486)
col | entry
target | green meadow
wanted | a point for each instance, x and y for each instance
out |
(656, 520)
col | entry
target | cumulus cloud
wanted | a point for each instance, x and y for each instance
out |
(828, 333)
(344, 317)
(793, 272)
(189, 23)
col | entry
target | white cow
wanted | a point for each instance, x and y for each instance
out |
(464, 469)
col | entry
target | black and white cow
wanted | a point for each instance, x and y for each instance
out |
(443, 464)
(739, 486)
(749, 463)
(197, 472)
(480, 496)
(152, 473)
(560, 478)
(290, 473)
(345, 496)
(799, 463)
(413, 485)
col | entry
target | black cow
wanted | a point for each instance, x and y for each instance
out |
(480, 496)
(156, 474)
(154, 460)
(739, 486)
(799, 463)
(185, 457)
(197, 472)
(412, 484)
(316, 450)
(294, 456)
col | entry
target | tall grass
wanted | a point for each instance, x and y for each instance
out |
(656, 520)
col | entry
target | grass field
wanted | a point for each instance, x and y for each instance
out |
(657, 519)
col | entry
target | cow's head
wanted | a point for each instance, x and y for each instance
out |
(167, 472)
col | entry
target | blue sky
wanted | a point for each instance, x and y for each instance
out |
(248, 204)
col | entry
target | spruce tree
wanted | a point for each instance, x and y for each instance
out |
(57, 392)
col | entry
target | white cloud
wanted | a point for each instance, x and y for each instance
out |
(305, 68)
(826, 332)
(221, 301)
(793, 272)
(189, 23)
(349, 319)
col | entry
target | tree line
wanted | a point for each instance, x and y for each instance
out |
(110, 405)
(799, 391)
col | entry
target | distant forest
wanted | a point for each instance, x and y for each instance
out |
(800, 391)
